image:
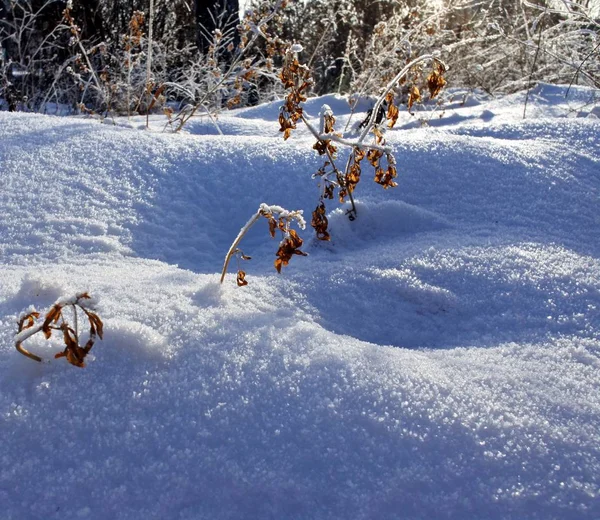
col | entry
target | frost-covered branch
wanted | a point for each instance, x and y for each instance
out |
(371, 122)
(255, 29)
(339, 139)
(279, 219)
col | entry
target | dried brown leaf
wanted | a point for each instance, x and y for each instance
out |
(241, 278)
(374, 156)
(73, 352)
(28, 321)
(435, 80)
(320, 222)
(272, 227)
(414, 96)
(386, 177)
(328, 194)
(392, 111)
(52, 317)
(288, 248)
(96, 325)
(329, 121)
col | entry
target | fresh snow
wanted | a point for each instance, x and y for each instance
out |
(439, 358)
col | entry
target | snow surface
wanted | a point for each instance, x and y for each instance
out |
(438, 359)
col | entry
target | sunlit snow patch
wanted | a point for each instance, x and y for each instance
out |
(381, 221)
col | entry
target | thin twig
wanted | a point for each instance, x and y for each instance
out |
(580, 67)
(537, 52)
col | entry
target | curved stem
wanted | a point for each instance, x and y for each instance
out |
(23, 336)
(341, 140)
(26, 352)
(237, 241)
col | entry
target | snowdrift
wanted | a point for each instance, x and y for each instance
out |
(438, 359)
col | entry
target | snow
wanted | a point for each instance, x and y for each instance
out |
(439, 358)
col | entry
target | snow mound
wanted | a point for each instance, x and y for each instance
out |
(381, 221)
(438, 357)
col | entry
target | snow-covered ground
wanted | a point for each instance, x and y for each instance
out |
(438, 359)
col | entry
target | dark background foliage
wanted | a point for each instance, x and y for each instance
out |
(352, 46)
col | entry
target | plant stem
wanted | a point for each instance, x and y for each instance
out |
(237, 241)
(388, 88)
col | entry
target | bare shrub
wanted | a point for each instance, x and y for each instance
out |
(497, 45)
(229, 71)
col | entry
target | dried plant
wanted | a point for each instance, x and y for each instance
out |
(132, 43)
(495, 45)
(220, 77)
(280, 219)
(83, 60)
(371, 141)
(30, 323)
(61, 67)
(297, 80)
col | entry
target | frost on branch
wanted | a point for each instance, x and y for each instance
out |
(30, 323)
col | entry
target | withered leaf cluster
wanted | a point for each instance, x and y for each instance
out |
(55, 320)
(383, 176)
(324, 147)
(328, 186)
(386, 177)
(274, 224)
(136, 32)
(352, 177)
(289, 247)
(296, 78)
(320, 222)
(417, 83)
(435, 80)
